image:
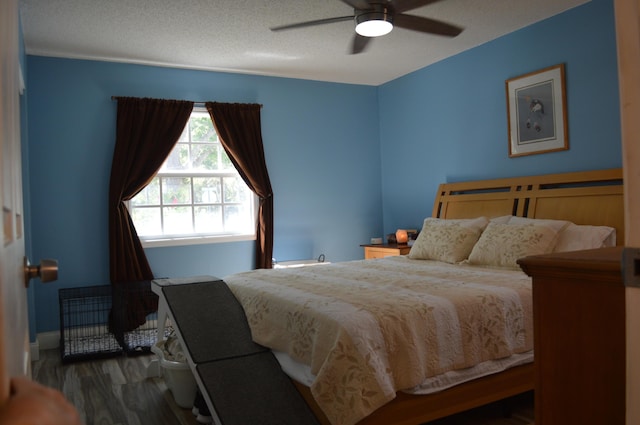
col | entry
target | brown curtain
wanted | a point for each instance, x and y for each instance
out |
(240, 132)
(146, 132)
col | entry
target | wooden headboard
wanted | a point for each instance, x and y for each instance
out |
(587, 197)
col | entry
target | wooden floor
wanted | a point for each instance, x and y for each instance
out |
(112, 391)
(116, 391)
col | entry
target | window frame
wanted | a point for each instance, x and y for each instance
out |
(198, 238)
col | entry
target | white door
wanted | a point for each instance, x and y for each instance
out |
(14, 329)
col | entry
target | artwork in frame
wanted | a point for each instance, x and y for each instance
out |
(537, 112)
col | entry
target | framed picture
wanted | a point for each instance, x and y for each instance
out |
(537, 112)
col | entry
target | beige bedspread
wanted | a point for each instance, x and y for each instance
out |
(373, 327)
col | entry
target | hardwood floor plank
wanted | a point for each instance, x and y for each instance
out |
(112, 391)
(47, 371)
(145, 404)
(116, 391)
(100, 405)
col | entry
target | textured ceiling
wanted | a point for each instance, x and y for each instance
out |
(234, 35)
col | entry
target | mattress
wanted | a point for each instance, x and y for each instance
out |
(302, 373)
(357, 332)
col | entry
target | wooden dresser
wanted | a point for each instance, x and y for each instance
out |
(579, 342)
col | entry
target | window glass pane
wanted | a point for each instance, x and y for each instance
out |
(227, 165)
(147, 221)
(206, 190)
(202, 128)
(176, 190)
(150, 195)
(177, 220)
(184, 137)
(178, 159)
(205, 157)
(235, 190)
(235, 218)
(197, 190)
(208, 219)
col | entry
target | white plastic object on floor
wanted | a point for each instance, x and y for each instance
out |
(178, 377)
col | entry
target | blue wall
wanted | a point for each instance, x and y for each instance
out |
(448, 122)
(347, 162)
(321, 145)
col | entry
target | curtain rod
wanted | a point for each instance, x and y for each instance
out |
(198, 103)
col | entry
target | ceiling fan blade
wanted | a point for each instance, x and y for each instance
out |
(312, 23)
(357, 4)
(359, 44)
(419, 23)
(401, 6)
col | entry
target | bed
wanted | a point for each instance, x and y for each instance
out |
(365, 343)
(585, 199)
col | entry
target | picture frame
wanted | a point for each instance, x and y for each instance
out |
(537, 112)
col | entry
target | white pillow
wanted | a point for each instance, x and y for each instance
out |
(558, 225)
(578, 237)
(610, 240)
(502, 244)
(449, 241)
(503, 219)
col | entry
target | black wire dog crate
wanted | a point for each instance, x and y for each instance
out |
(87, 314)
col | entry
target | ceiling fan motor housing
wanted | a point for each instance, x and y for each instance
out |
(378, 15)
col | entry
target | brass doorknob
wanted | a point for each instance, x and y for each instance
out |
(47, 271)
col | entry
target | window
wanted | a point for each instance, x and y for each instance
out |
(197, 195)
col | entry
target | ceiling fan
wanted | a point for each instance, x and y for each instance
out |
(374, 18)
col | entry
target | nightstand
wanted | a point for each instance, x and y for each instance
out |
(385, 250)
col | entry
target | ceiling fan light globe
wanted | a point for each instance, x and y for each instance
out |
(374, 24)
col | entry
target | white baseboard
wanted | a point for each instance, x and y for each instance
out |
(44, 341)
(48, 340)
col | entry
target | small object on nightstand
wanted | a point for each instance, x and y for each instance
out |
(376, 241)
(401, 236)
